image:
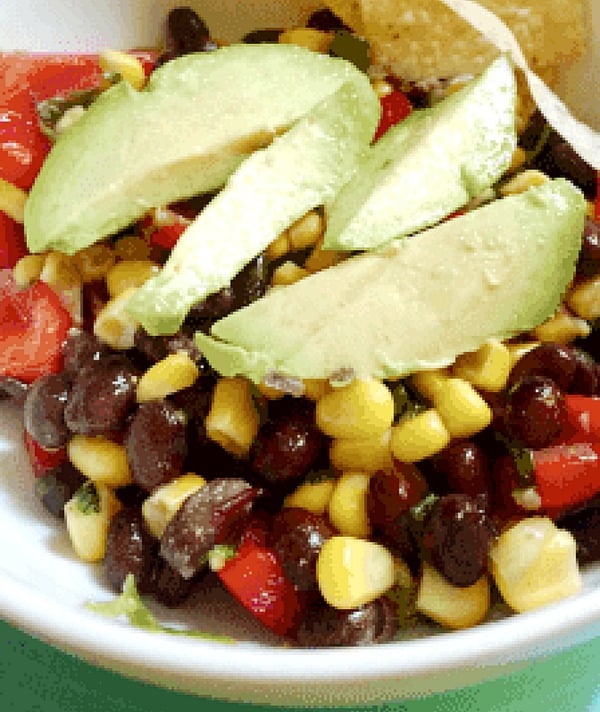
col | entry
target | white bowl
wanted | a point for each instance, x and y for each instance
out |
(43, 588)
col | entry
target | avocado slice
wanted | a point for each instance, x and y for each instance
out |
(270, 190)
(198, 117)
(491, 273)
(429, 165)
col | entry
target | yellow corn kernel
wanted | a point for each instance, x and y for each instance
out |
(534, 563)
(523, 181)
(288, 273)
(312, 496)
(114, 325)
(88, 529)
(368, 454)
(429, 383)
(306, 231)
(159, 508)
(60, 272)
(269, 392)
(584, 299)
(518, 349)
(94, 261)
(12, 200)
(279, 247)
(463, 411)
(590, 209)
(129, 67)
(132, 247)
(28, 269)
(382, 88)
(518, 159)
(361, 409)
(100, 460)
(307, 37)
(452, 606)
(487, 368)
(169, 375)
(232, 420)
(315, 388)
(352, 572)
(347, 507)
(321, 259)
(129, 273)
(562, 328)
(419, 436)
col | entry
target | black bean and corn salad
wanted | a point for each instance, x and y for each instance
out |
(342, 513)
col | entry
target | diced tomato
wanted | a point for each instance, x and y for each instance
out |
(395, 106)
(167, 235)
(33, 327)
(256, 579)
(43, 460)
(12, 242)
(583, 418)
(566, 475)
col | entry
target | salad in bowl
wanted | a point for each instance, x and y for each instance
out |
(305, 322)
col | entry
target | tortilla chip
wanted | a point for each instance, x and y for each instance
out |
(423, 39)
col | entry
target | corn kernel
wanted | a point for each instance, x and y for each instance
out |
(382, 88)
(129, 273)
(518, 349)
(429, 383)
(452, 606)
(306, 231)
(270, 392)
(129, 67)
(308, 37)
(160, 507)
(312, 496)
(352, 572)
(347, 507)
(288, 273)
(12, 200)
(361, 409)
(584, 299)
(315, 388)
(28, 269)
(534, 563)
(279, 247)
(463, 411)
(487, 368)
(100, 460)
(368, 454)
(167, 376)
(321, 259)
(419, 436)
(232, 420)
(88, 531)
(523, 181)
(60, 272)
(114, 325)
(518, 159)
(562, 328)
(94, 262)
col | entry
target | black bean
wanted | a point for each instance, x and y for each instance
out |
(81, 349)
(94, 297)
(463, 464)
(324, 626)
(584, 524)
(326, 21)
(57, 487)
(251, 282)
(552, 360)
(130, 548)
(215, 514)
(102, 396)
(267, 35)
(588, 264)
(156, 444)
(536, 412)
(44, 410)
(288, 445)
(586, 380)
(13, 389)
(169, 587)
(457, 537)
(186, 32)
(297, 536)
(156, 348)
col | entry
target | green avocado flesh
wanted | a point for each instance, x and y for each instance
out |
(271, 189)
(429, 165)
(491, 273)
(198, 117)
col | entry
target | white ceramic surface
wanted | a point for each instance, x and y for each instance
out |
(43, 588)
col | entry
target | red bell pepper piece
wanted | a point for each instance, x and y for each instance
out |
(568, 474)
(33, 327)
(395, 106)
(167, 235)
(12, 242)
(255, 578)
(43, 460)
(583, 418)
